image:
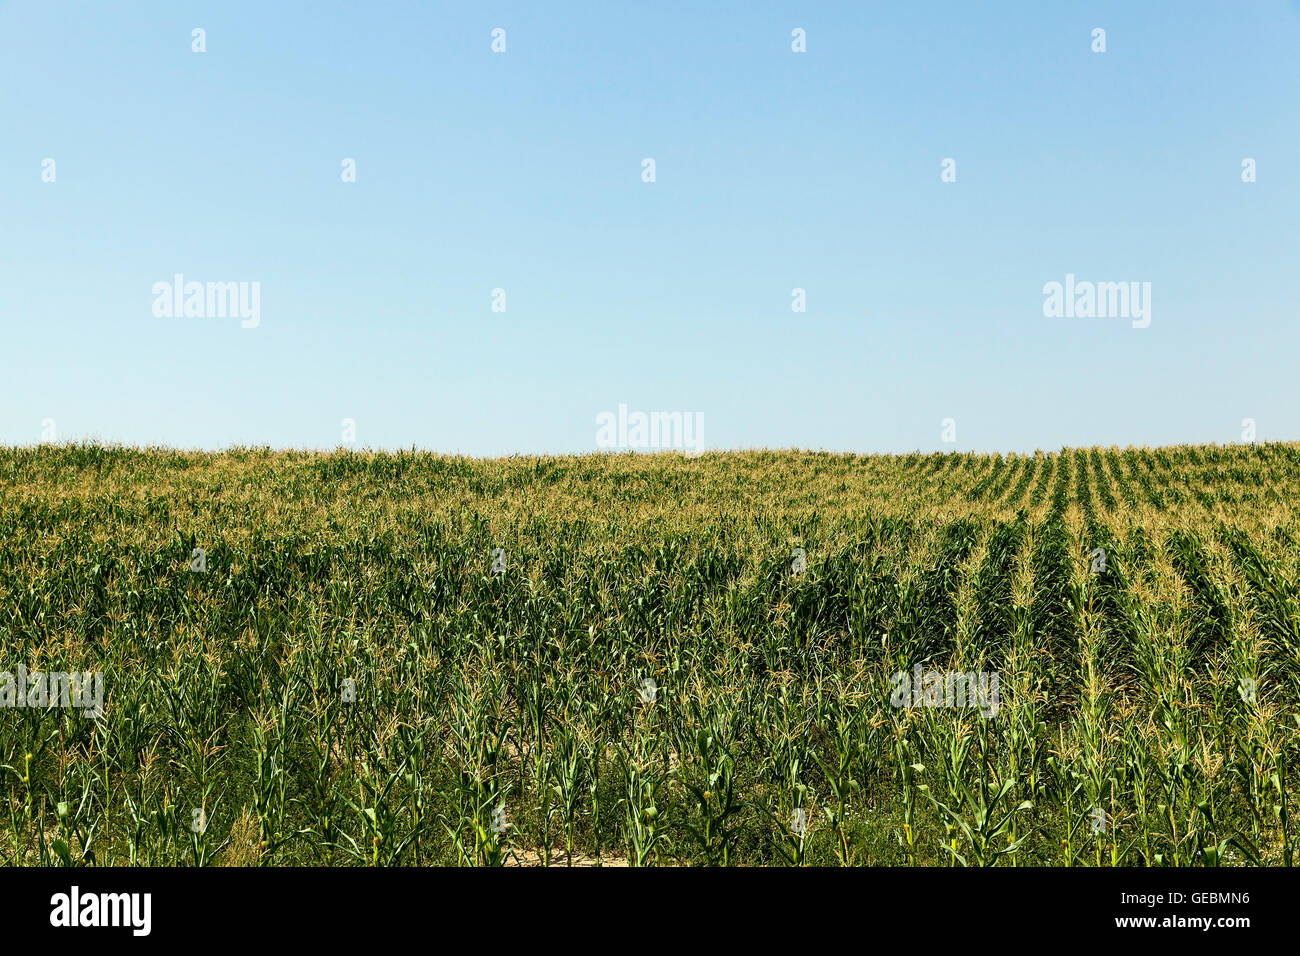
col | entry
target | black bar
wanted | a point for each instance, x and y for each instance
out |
(339, 907)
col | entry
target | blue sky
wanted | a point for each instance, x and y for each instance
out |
(774, 170)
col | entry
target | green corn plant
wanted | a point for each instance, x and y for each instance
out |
(270, 786)
(642, 779)
(838, 775)
(571, 766)
(984, 816)
(709, 776)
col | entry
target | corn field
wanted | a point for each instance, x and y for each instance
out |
(406, 659)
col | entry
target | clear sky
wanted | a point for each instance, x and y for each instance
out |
(774, 170)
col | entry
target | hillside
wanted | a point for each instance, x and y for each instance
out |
(324, 658)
